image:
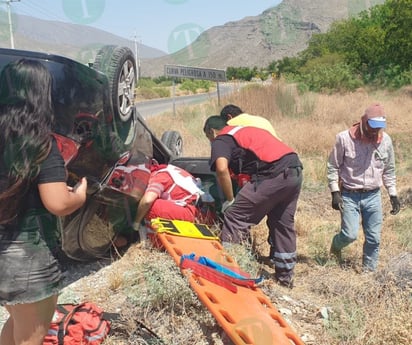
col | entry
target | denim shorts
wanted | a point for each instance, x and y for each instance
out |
(28, 270)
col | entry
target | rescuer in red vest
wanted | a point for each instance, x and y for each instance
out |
(275, 172)
(172, 193)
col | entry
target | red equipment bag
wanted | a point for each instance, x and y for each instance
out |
(79, 324)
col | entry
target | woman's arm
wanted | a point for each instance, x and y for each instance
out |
(61, 200)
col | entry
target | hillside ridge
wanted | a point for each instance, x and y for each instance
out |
(253, 41)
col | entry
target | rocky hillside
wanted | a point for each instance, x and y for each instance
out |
(283, 30)
(79, 42)
(280, 31)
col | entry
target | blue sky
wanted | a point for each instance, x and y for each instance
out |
(151, 22)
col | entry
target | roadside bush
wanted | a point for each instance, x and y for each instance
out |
(194, 85)
(330, 78)
(394, 77)
(146, 83)
(146, 93)
(163, 81)
(188, 85)
(162, 92)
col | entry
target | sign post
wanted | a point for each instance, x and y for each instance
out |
(187, 72)
(178, 71)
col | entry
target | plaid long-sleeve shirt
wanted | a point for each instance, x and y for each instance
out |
(361, 165)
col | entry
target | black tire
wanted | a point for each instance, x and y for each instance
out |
(174, 142)
(119, 65)
(80, 239)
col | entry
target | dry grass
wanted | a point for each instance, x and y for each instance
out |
(330, 304)
(362, 309)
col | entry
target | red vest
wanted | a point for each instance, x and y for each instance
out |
(182, 180)
(261, 142)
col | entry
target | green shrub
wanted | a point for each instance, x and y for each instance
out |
(146, 83)
(188, 85)
(395, 77)
(147, 93)
(162, 92)
(194, 85)
(330, 78)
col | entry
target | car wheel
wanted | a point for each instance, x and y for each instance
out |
(119, 65)
(174, 142)
(86, 234)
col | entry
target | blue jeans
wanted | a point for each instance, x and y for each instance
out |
(365, 206)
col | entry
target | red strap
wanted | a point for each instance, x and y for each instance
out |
(208, 273)
(66, 320)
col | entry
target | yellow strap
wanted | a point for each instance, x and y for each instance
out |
(183, 228)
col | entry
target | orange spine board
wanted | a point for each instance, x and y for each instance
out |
(247, 316)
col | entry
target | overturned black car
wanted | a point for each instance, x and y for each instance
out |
(102, 136)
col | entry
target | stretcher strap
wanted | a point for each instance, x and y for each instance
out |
(183, 228)
(227, 271)
(208, 273)
(217, 273)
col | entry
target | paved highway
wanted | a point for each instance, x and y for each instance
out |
(161, 105)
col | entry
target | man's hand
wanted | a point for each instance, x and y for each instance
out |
(396, 205)
(136, 226)
(337, 202)
(141, 229)
(227, 204)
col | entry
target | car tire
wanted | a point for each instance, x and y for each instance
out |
(119, 65)
(174, 142)
(78, 231)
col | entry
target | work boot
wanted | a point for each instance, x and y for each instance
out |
(284, 279)
(367, 271)
(285, 283)
(337, 253)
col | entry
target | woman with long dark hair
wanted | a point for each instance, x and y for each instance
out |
(33, 192)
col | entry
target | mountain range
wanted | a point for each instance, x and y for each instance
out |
(254, 41)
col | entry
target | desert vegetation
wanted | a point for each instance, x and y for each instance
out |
(164, 87)
(331, 304)
(372, 49)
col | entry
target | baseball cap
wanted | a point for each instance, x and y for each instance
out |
(377, 122)
(375, 115)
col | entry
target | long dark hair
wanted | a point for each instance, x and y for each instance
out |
(26, 118)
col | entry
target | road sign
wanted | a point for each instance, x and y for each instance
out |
(195, 73)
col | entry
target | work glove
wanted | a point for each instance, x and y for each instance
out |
(136, 226)
(337, 202)
(227, 204)
(396, 205)
(142, 230)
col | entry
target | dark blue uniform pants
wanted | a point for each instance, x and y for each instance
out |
(277, 199)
